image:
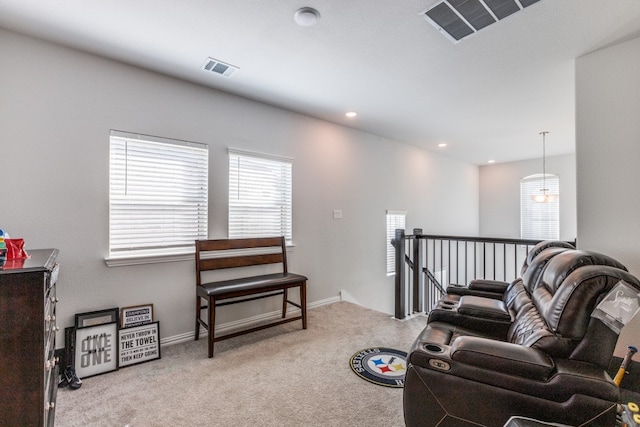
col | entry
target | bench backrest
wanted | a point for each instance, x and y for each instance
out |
(210, 254)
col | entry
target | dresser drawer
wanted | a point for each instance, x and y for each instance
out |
(50, 393)
(50, 321)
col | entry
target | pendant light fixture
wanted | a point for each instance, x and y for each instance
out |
(544, 196)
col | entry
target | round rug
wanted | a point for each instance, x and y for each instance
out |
(380, 365)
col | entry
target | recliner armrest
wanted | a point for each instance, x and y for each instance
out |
(508, 358)
(490, 327)
(496, 286)
(480, 287)
(487, 308)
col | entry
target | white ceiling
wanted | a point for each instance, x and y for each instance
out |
(487, 97)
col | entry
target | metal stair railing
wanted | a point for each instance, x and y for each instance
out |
(426, 264)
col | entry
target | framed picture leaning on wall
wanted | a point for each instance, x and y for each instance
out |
(136, 315)
(139, 344)
(96, 349)
(96, 342)
(94, 318)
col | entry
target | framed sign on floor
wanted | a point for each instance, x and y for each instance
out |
(136, 316)
(96, 349)
(94, 318)
(139, 344)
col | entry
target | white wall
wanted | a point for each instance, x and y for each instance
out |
(57, 106)
(608, 154)
(500, 195)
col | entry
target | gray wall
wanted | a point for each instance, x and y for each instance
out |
(500, 195)
(608, 154)
(56, 109)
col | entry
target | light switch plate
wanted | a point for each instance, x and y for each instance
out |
(337, 214)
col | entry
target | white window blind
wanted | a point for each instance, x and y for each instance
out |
(157, 195)
(395, 220)
(539, 220)
(260, 192)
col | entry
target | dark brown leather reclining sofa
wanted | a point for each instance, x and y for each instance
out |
(533, 351)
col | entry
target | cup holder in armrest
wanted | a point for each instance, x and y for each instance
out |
(431, 355)
(448, 302)
(432, 348)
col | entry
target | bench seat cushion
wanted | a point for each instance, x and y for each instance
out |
(240, 286)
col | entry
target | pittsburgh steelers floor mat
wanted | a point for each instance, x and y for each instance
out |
(381, 366)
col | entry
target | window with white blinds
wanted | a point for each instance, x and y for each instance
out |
(539, 221)
(395, 220)
(157, 195)
(259, 196)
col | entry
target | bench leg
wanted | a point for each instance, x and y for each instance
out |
(211, 326)
(284, 302)
(303, 303)
(197, 332)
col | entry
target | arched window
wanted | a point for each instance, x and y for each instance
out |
(540, 220)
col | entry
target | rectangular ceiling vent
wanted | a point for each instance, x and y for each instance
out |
(457, 19)
(219, 67)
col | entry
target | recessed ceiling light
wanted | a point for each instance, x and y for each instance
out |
(351, 114)
(442, 144)
(491, 161)
(306, 16)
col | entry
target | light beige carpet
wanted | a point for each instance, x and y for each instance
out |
(282, 376)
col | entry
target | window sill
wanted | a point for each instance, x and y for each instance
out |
(123, 261)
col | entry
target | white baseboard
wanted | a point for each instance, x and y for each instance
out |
(345, 296)
(243, 323)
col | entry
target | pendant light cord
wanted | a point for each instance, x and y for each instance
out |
(544, 163)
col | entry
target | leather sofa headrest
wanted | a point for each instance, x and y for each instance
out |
(563, 264)
(538, 248)
(567, 312)
(531, 277)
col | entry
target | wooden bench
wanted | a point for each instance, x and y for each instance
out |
(233, 253)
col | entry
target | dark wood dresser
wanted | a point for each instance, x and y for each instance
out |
(28, 367)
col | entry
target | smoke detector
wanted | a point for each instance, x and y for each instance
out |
(306, 16)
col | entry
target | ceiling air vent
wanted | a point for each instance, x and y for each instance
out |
(219, 67)
(458, 19)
